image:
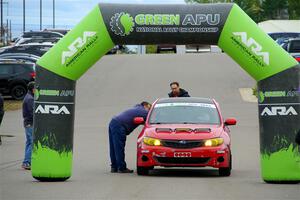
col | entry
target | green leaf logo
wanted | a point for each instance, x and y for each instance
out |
(261, 97)
(122, 24)
(36, 94)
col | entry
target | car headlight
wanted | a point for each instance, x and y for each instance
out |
(214, 142)
(151, 141)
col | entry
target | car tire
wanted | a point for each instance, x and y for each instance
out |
(143, 171)
(226, 171)
(18, 92)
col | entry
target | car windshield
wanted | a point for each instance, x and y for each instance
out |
(275, 36)
(184, 113)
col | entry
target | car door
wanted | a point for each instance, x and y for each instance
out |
(6, 74)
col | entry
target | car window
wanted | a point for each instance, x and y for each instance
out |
(19, 69)
(295, 46)
(184, 113)
(6, 69)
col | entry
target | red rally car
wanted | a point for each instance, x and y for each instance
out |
(184, 132)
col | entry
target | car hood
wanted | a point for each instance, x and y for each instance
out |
(183, 131)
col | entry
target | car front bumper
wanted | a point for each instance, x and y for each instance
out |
(216, 157)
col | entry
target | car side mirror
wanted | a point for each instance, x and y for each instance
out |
(230, 122)
(138, 120)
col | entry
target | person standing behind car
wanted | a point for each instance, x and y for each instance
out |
(119, 127)
(28, 104)
(176, 91)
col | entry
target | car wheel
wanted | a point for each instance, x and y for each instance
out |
(226, 171)
(142, 170)
(18, 92)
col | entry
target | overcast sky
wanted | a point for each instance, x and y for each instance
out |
(68, 12)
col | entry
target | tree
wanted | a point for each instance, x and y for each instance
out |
(208, 1)
(294, 9)
(274, 9)
(260, 10)
(252, 8)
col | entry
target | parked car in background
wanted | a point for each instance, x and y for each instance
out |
(39, 34)
(297, 58)
(166, 47)
(36, 49)
(14, 77)
(184, 132)
(275, 36)
(20, 56)
(292, 46)
(61, 31)
(37, 41)
(113, 50)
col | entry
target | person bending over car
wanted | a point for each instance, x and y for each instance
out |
(176, 91)
(119, 127)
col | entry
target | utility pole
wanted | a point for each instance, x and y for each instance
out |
(53, 14)
(41, 13)
(6, 33)
(23, 15)
(1, 39)
(10, 38)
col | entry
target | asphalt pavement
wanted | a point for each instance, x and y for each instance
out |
(120, 81)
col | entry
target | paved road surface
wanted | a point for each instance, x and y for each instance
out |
(117, 82)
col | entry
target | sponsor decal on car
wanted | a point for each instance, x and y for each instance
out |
(182, 154)
(207, 105)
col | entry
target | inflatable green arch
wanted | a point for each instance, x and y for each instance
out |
(226, 25)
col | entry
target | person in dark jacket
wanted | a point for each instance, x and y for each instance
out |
(177, 91)
(1, 112)
(1, 108)
(28, 103)
(298, 137)
(119, 127)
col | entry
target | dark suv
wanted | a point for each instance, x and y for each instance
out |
(34, 49)
(14, 77)
(292, 46)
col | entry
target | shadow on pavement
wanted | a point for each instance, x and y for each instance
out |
(184, 173)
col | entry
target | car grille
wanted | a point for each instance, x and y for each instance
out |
(182, 144)
(174, 160)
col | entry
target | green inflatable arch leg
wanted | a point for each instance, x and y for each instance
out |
(227, 25)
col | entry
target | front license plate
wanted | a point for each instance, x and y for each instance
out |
(182, 154)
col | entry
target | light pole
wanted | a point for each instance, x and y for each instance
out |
(23, 15)
(41, 13)
(1, 20)
(53, 14)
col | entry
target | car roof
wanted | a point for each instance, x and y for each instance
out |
(292, 39)
(186, 100)
(40, 32)
(14, 61)
(3, 55)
